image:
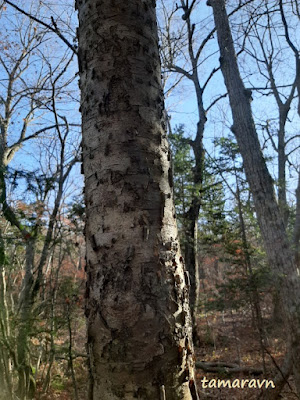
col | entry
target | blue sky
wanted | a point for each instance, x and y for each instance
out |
(181, 103)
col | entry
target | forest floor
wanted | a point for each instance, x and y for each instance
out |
(232, 338)
(224, 338)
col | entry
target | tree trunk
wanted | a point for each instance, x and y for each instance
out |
(191, 259)
(296, 233)
(282, 158)
(191, 253)
(191, 245)
(139, 324)
(26, 383)
(268, 213)
(5, 372)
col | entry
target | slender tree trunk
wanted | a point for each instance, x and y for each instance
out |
(279, 380)
(191, 259)
(191, 253)
(268, 213)
(139, 324)
(71, 364)
(26, 384)
(5, 373)
(191, 244)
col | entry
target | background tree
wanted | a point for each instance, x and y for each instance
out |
(270, 41)
(181, 53)
(269, 216)
(34, 87)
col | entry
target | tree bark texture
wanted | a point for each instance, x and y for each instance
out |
(191, 247)
(191, 259)
(296, 235)
(139, 324)
(268, 212)
(191, 253)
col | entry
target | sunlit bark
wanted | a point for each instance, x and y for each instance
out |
(139, 327)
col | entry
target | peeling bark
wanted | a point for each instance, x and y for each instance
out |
(139, 324)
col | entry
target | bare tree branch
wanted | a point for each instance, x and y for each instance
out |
(54, 29)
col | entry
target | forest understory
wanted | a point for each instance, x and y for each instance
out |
(228, 339)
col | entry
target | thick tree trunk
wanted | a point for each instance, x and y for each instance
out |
(296, 233)
(282, 158)
(139, 325)
(268, 213)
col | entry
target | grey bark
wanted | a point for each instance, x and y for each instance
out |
(268, 212)
(191, 251)
(296, 233)
(139, 324)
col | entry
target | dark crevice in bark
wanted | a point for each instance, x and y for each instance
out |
(139, 333)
